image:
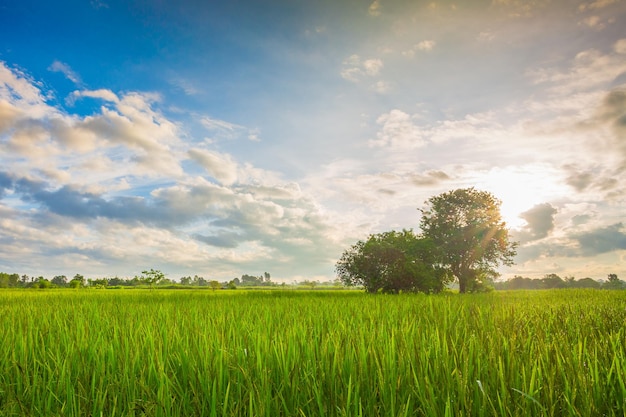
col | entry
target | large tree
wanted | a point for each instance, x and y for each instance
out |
(467, 228)
(392, 262)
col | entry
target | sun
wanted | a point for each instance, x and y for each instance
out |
(519, 189)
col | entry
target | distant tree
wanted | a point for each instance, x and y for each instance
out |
(43, 283)
(80, 278)
(392, 262)
(100, 283)
(613, 283)
(519, 283)
(60, 281)
(251, 280)
(586, 283)
(24, 280)
(215, 285)
(152, 277)
(466, 227)
(9, 280)
(75, 283)
(267, 277)
(185, 280)
(550, 281)
(199, 281)
(117, 281)
(231, 285)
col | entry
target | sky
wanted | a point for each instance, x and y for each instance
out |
(243, 137)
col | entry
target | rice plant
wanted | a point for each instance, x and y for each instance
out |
(317, 353)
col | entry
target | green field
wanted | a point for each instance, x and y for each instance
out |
(311, 353)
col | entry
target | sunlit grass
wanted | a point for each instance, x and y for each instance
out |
(317, 353)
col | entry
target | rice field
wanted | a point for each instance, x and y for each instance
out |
(311, 353)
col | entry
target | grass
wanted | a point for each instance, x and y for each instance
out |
(311, 353)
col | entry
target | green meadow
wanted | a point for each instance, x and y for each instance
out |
(311, 353)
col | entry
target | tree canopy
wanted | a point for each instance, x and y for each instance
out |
(466, 227)
(391, 262)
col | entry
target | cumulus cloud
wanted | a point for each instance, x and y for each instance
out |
(381, 87)
(102, 94)
(590, 69)
(398, 130)
(20, 97)
(429, 178)
(117, 185)
(65, 69)
(620, 46)
(608, 118)
(594, 22)
(219, 166)
(602, 240)
(374, 9)
(372, 66)
(539, 223)
(595, 5)
(424, 46)
(355, 69)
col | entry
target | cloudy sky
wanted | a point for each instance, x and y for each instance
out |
(223, 138)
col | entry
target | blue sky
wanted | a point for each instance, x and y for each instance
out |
(223, 138)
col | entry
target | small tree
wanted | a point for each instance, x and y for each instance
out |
(392, 262)
(152, 277)
(75, 283)
(42, 283)
(60, 281)
(613, 283)
(215, 285)
(467, 228)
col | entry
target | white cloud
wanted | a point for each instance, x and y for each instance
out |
(374, 9)
(106, 95)
(355, 70)
(351, 74)
(381, 87)
(589, 70)
(486, 36)
(58, 66)
(186, 86)
(372, 66)
(426, 45)
(116, 178)
(21, 97)
(620, 46)
(215, 124)
(422, 46)
(219, 166)
(221, 129)
(398, 130)
(594, 5)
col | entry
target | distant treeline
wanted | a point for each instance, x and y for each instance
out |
(79, 281)
(551, 281)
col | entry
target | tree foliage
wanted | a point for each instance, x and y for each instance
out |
(391, 262)
(467, 228)
(152, 277)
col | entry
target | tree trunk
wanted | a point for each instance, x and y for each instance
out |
(462, 284)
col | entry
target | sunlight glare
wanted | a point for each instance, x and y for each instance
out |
(519, 190)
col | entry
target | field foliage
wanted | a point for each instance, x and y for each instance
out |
(311, 353)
